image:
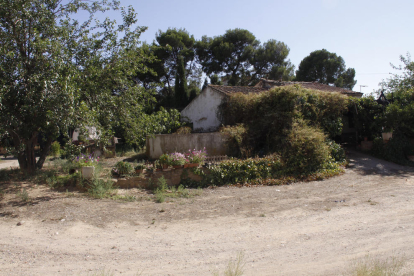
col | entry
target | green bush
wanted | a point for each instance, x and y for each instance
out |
(337, 152)
(306, 150)
(264, 124)
(244, 171)
(71, 150)
(396, 150)
(236, 140)
(100, 188)
(55, 149)
(124, 168)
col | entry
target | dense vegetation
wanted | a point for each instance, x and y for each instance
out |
(394, 113)
(293, 123)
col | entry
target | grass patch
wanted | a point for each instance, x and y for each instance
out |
(163, 191)
(24, 195)
(370, 266)
(234, 268)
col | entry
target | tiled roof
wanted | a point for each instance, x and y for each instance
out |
(228, 90)
(308, 85)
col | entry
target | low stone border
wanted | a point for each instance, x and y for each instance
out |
(173, 177)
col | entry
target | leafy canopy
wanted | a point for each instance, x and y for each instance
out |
(327, 68)
(239, 56)
(57, 72)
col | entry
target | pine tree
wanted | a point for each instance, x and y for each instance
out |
(181, 90)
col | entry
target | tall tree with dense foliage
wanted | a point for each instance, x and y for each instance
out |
(399, 115)
(56, 73)
(327, 68)
(239, 57)
(181, 91)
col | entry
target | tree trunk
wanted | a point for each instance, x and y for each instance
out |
(44, 153)
(26, 157)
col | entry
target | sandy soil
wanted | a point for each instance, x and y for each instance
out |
(316, 228)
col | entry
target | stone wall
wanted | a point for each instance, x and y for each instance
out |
(214, 142)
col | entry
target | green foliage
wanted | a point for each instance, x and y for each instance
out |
(306, 150)
(396, 150)
(55, 149)
(367, 115)
(140, 166)
(24, 195)
(100, 188)
(239, 55)
(246, 170)
(124, 168)
(235, 140)
(71, 150)
(325, 67)
(267, 118)
(181, 94)
(160, 122)
(57, 72)
(162, 191)
(399, 115)
(290, 121)
(165, 159)
(337, 152)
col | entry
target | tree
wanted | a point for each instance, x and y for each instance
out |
(228, 53)
(180, 90)
(239, 56)
(56, 73)
(172, 46)
(269, 61)
(399, 114)
(327, 68)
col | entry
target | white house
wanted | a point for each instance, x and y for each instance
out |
(202, 111)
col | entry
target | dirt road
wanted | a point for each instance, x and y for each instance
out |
(315, 228)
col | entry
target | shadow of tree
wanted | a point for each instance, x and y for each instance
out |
(365, 164)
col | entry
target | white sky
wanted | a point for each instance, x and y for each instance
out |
(369, 35)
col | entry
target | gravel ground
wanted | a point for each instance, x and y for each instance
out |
(314, 228)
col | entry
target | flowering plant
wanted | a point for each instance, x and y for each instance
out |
(165, 159)
(177, 159)
(84, 161)
(196, 156)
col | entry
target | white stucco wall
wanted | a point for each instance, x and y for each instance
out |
(202, 111)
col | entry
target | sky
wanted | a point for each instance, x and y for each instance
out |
(368, 35)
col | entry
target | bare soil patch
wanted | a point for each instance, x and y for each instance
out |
(314, 228)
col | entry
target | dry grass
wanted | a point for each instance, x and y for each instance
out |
(234, 268)
(370, 266)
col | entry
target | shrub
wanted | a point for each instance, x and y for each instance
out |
(165, 159)
(123, 168)
(55, 149)
(242, 171)
(71, 150)
(184, 130)
(236, 140)
(100, 188)
(337, 152)
(306, 150)
(396, 150)
(140, 166)
(263, 123)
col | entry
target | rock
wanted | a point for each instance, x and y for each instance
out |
(20, 223)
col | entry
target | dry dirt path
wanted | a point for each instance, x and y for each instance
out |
(315, 228)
